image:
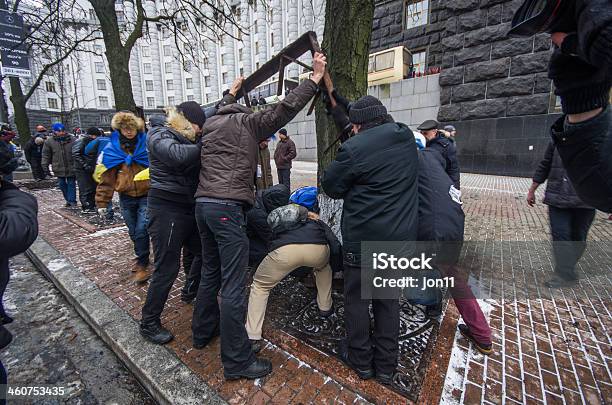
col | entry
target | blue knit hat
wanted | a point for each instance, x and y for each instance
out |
(58, 126)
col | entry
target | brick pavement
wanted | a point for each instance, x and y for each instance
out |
(555, 351)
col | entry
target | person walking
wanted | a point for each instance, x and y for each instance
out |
(570, 218)
(226, 188)
(84, 166)
(57, 152)
(33, 152)
(264, 169)
(93, 151)
(174, 156)
(283, 155)
(436, 140)
(375, 172)
(122, 159)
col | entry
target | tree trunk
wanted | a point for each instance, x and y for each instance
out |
(22, 122)
(346, 42)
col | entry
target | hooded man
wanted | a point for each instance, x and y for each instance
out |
(174, 156)
(33, 152)
(437, 141)
(283, 155)
(57, 151)
(121, 160)
(375, 172)
(225, 190)
(84, 166)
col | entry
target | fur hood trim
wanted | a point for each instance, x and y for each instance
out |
(126, 119)
(180, 124)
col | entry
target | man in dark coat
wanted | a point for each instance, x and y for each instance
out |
(570, 218)
(33, 152)
(57, 152)
(84, 166)
(446, 147)
(226, 188)
(174, 165)
(375, 172)
(283, 155)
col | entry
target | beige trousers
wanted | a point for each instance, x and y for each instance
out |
(274, 267)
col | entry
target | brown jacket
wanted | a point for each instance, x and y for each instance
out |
(120, 179)
(230, 143)
(265, 181)
(284, 154)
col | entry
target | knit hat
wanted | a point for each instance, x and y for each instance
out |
(8, 161)
(282, 131)
(193, 112)
(93, 131)
(449, 128)
(58, 127)
(366, 109)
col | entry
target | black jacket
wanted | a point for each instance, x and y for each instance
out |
(441, 217)
(174, 162)
(375, 172)
(559, 190)
(32, 151)
(258, 230)
(18, 220)
(585, 149)
(82, 162)
(448, 150)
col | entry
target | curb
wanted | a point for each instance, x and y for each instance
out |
(166, 378)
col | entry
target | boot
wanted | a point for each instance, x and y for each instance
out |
(142, 274)
(257, 369)
(189, 291)
(364, 374)
(135, 265)
(155, 333)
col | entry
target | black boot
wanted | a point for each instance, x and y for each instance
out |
(364, 374)
(155, 333)
(200, 344)
(257, 369)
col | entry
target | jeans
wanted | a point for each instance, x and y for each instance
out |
(569, 228)
(134, 211)
(225, 252)
(381, 348)
(87, 189)
(68, 187)
(169, 229)
(284, 177)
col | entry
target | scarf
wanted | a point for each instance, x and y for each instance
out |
(114, 155)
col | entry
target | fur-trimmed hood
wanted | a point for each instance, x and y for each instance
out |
(180, 124)
(126, 119)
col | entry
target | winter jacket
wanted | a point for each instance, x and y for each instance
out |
(18, 220)
(83, 162)
(441, 217)
(257, 227)
(284, 154)
(31, 150)
(585, 149)
(59, 155)
(174, 157)
(230, 142)
(559, 190)
(375, 172)
(264, 180)
(448, 150)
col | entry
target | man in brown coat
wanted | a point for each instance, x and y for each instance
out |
(264, 170)
(229, 164)
(283, 155)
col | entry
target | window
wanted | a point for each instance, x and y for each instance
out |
(101, 84)
(52, 103)
(241, 71)
(171, 100)
(151, 102)
(169, 85)
(99, 67)
(168, 67)
(207, 81)
(419, 61)
(189, 83)
(146, 68)
(384, 61)
(190, 97)
(167, 50)
(272, 40)
(50, 87)
(98, 49)
(103, 101)
(416, 13)
(120, 16)
(255, 27)
(92, 14)
(256, 48)
(224, 77)
(240, 55)
(257, 66)
(149, 85)
(188, 66)
(146, 51)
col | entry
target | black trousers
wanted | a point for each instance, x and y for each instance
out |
(169, 230)
(87, 189)
(192, 266)
(284, 177)
(225, 252)
(381, 348)
(37, 170)
(569, 228)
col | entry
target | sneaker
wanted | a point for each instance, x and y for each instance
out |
(481, 347)
(155, 333)
(257, 369)
(559, 282)
(364, 374)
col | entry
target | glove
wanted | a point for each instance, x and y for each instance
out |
(103, 212)
(581, 86)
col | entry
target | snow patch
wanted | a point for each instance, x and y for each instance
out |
(455, 373)
(109, 231)
(57, 264)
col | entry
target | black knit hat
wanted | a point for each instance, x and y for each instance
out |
(366, 109)
(93, 131)
(282, 131)
(193, 112)
(8, 162)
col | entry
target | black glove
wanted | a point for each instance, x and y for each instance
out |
(581, 86)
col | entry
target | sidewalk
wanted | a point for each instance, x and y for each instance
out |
(554, 351)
